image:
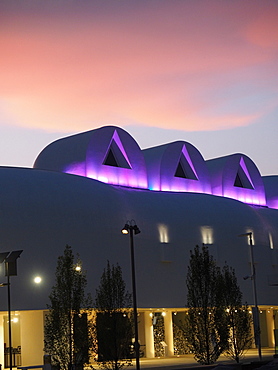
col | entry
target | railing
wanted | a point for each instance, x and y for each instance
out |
(16, 357)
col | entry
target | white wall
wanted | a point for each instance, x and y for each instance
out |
(32, 335)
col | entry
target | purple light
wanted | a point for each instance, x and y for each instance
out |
(76, 169)
(162, 170)
(187, 156)
(120, 145)
(243, 166)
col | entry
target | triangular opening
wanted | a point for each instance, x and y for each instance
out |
(180, 172)
(238, 182)
(243, 179)
(110, 159)
(115, 157)
(184, 169)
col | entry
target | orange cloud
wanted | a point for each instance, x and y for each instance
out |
(181, 65)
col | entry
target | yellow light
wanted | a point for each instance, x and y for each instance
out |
(37, 280)
(163, 313)
(77, 268)
(15, 319)
(163, 233)
(124, 231)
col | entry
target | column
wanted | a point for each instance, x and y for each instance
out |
(270, 327)
(149, 335)
(169, 338)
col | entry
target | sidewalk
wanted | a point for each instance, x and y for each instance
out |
(187, 361)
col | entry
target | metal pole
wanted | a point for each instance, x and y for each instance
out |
(136, 341)
(9, 317)
(257, 318)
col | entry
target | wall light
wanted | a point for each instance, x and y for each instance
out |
(37, 279)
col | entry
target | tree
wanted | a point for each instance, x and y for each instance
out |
(239, 319)
(180, 340)
(158, 335)
(66, 328)
(113, 322)
(206, 324)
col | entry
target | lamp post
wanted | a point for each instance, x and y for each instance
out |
(9, 258)
(257, 330)
(131, 228)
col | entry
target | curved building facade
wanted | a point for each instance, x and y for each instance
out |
(84, 188)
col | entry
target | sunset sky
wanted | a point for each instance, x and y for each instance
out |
(202, 71)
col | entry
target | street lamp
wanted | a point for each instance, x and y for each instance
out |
(9, 258)
(257, 330)
(131, 228)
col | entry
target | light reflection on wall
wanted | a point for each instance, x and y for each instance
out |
(163, 233)
(207, 234)
(270, 241)
(248, 238)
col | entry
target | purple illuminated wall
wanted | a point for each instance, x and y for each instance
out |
(130, 169)
(271, 190)
(177, 166)
(110, 155)
(236, 176)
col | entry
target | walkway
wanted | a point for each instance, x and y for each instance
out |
(187, 361)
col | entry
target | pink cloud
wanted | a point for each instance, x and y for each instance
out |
(166, 64)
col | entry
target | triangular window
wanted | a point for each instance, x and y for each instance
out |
(238, 182)
(110, 159)
(243, 179)
(180, 172)
(185, 169)
(115, 157)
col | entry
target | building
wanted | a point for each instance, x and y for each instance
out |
(82, 190)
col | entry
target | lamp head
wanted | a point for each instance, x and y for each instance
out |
(136, 229)
(125, 229)
(245, 234)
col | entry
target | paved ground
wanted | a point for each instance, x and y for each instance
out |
(187, 361)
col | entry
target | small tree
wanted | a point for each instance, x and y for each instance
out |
(113, 323)
(159, 335)
(66, 331)
(239, 319)
(180, 340)
(206, 323)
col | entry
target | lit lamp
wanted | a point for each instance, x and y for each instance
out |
(257, 330)
(131, 228)
(10, 258)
